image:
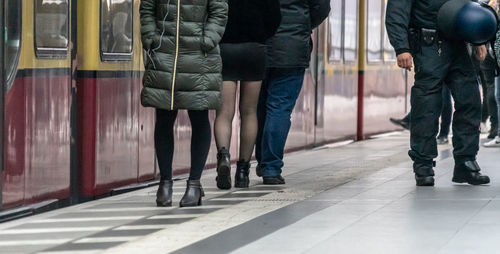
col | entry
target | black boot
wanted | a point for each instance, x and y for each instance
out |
(468, 172)
(400, 122)
(241, 179)
(164, 193)
(193, 194)
(258, 170)
(424, 175)
(493, 132)
(223, 169)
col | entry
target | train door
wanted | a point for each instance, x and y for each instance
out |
(12, 180)
(1, 101)
(73, 48)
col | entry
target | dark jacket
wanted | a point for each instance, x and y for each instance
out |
(403, 14)
(252, 20)
(186, 58)
(291, 46)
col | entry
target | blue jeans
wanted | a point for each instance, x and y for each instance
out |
(279, 93)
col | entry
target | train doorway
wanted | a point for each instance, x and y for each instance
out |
(2, 70)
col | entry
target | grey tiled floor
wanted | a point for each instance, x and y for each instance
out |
(385, 213)
(357, 198)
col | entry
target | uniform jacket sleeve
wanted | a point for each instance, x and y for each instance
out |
(148, 22)
(319, 10)
(215, 24)
(397, 23)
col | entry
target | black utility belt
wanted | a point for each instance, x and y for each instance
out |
(424, 37)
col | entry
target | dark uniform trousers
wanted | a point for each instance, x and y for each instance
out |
(432, 70)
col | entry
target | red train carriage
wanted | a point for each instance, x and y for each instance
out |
(37, 102)
(113, 129)
(71, 121)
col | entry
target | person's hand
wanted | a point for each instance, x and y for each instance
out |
(405, 61)
(480, 52)
(494, 4)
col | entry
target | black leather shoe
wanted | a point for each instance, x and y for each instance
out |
(424, 175)
(493, 133)
(400, 122)
(273, 180)
(223, 169)
(442, 140)
(258, 170)
(468, 172)
(193, 194)
(164, 193)
(241, 179)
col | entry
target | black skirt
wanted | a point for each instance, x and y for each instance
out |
(243, 61)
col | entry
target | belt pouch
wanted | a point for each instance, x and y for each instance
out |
(428, 36)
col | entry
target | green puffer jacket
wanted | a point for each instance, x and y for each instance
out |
(186, 59)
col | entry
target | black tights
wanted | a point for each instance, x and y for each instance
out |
(164, 141)
(249, 97)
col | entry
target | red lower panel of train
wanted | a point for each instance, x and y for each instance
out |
(114, 132)
(37, 138)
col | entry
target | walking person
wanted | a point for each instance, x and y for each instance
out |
(488, 72)
(182, 73)
(446, 116)
(243, 50)
(496, 141)
(289, 52)
(412, 28)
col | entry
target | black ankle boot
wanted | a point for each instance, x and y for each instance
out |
(164, 193)
(258, 170)
(223, 169)
(241, 179)
(468, 172)
(493, 132)
(193, 194)
(424, 175)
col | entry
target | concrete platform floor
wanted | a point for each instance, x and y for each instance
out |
(344, 198)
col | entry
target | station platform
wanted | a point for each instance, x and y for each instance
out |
(342, 198)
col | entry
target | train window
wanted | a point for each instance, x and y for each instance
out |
(374, 31)
(350, 30)
(12, 38)
(51, 28)
(335, 32)
(389, 53)
(116, 30)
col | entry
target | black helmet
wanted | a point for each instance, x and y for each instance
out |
(468, 21)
